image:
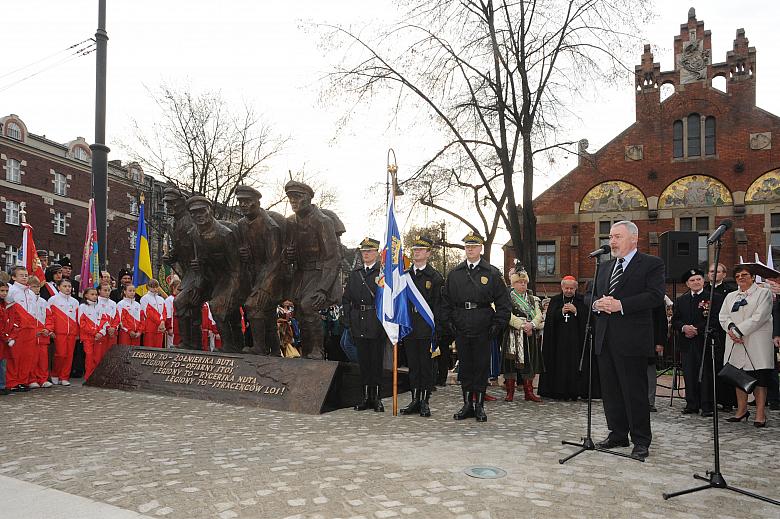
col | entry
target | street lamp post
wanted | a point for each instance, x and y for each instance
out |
(99, 148)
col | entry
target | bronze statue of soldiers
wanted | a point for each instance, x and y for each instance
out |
(364, 325)
(312, 251)
(471, 290)
(217, 265)
(261, 256)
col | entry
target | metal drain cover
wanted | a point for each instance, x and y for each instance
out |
(485, 472)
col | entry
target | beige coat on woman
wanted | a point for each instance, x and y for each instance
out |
(754, 320)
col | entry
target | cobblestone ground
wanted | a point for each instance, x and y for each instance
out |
(178, 458)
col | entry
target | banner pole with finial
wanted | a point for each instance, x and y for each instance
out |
(392, 169)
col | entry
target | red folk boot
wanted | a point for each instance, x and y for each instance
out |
(510, 390)
(528, 388)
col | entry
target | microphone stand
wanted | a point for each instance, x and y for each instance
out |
(714, 477)
(586, 443)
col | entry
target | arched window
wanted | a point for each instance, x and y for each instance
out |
(709, 136)
(694, 135)
(80, 154)
(13, 131)
(677, 139)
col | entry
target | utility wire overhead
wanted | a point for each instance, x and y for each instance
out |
(84, 50)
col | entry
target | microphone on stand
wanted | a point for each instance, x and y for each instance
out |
(604, 249)
(724, 226)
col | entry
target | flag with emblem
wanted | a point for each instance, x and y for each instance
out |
(142, 268)
(29, 254)
(90, 267)
(392, 304)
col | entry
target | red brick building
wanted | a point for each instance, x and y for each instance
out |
(690, 160)
(52, 182)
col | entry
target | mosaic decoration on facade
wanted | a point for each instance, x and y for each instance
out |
(766, 188)
(694, 191)
(613, 195)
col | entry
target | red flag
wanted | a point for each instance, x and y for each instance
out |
(30, 254)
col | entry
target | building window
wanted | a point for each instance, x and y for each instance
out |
(133, 238)
(12, 212)
(134, 206)
(701, 224)
(11, 257)
(709, 136)
(13, 131)
(134, 175)
(677, 139)
(59, 223)
(545, 258)
(13, 171)
(60, 184)
(80, 153)
(694, 135)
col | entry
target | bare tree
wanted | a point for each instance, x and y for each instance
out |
(202, 146)
(496, 77)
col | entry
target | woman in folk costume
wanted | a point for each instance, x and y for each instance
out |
(153, 315)
(109, 318)
(129, 312)
(40, 368)
(91, 330)
(64, 327)
(172, 322)
(522, 346)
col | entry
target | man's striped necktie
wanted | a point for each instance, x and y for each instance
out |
(613, 281)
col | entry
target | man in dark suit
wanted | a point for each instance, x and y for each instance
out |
(628, 288)
(726, 397)
(688, 322)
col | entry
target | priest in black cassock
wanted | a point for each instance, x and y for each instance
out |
(564, 331)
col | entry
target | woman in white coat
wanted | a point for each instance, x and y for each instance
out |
(746, 315)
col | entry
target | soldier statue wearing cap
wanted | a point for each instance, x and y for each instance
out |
(470, 292)
(688, 321)
(419, 341)
(361, 319)
(312, 251)
(261, 256)
(217, 267)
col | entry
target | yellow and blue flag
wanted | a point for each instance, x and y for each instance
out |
(142, 268)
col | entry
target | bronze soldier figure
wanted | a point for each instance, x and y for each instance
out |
(261, 255)
(312, 250)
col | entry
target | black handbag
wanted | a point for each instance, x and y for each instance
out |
(738, 377)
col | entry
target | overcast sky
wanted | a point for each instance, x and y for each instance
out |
(262, 53)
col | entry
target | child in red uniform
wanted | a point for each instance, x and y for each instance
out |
(172, 322)
(4, 329)
(153, 315)
(40, 367)
(64, 328)
(21, 342)
(109, 318)
(91, 330)
(129, 313)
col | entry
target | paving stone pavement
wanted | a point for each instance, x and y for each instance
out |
(178, 458)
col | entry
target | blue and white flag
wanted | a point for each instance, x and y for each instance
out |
(396, 288)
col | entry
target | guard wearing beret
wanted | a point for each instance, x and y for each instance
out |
(261, 257)
(688, 321)
(418, 344)
(67, 272)
(476, 309)
(367, 332)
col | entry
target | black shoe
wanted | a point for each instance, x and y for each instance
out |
(774, 406)
(378, 406)
(467, 411)
(21, 388)
(425, 409)
(479, 408)
(739, 418)
(690, 410)
(653, 409)
(612, 442)
(640, 452)
(366, 403)
(707, 414)
(414, 405)
(759, 424)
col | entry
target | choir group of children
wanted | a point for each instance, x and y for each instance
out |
(29, 324)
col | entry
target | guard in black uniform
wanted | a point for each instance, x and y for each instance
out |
(367, 332)
(469, 291)
(420, 340)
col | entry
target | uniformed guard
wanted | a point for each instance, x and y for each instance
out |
(469, 291)
(261, 258)
(367, 332)
(419, 341)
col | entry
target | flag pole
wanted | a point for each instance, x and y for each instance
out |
(392, 169)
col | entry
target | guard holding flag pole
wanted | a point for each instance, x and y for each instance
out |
(420, 344)
(471, 292)
(360, 317)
